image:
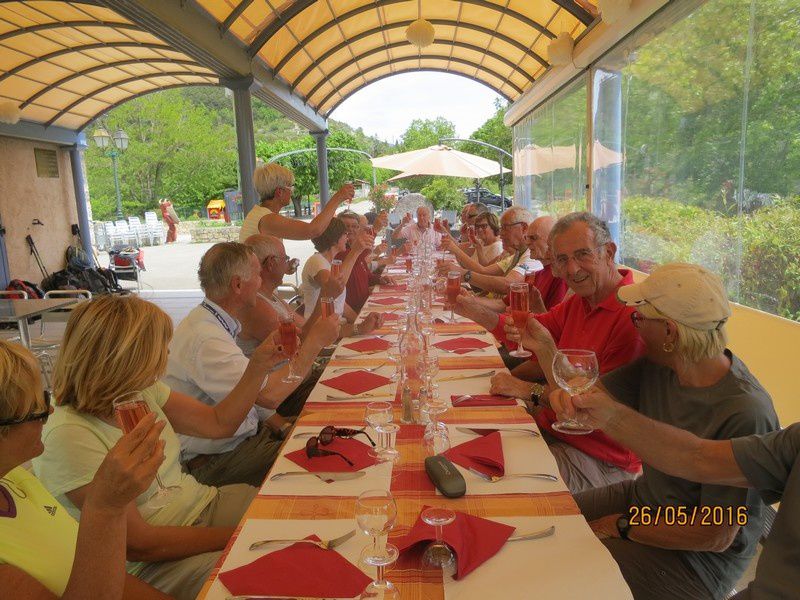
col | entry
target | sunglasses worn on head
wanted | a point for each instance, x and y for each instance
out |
(313, 450)
(37, 416)
(329, 432)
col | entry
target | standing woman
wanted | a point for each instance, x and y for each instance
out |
(274, 184)
(44, 552)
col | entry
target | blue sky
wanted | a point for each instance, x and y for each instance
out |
(386, 108)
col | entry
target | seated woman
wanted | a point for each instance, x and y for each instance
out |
(274, 184)
(487, 247)
(317, 270)
(44, 553)
(113, 346)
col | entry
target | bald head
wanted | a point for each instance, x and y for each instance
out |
(271, 255)
(537, 236)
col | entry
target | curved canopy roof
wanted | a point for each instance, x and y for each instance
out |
(66, 63)
(326, 50)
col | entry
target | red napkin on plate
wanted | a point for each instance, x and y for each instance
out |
(387, 301)
(484, 400)
(368, 345)
(356, 382)
(484, 454)
(462, 345)
(356, 451)
(299, 570)
(474, 540)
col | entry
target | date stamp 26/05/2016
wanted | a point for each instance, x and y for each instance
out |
(709, 516)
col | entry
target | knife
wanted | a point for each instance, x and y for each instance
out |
(460, 377)
(323, 475)
(535, 535)
(487, 430)
(361, 397)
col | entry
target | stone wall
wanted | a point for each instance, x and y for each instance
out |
(205, 235)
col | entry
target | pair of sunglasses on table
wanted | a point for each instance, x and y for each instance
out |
(326, 436)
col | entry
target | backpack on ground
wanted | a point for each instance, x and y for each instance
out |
(30, 288)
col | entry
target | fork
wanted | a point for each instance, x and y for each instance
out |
(496, 478)
(362, 396)
(370, 369)
(461, 350)
(464, 398)
(324, 544)
(476, 376)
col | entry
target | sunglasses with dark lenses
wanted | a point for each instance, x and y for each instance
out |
(37, 416)
(313, 450)
(329, 432)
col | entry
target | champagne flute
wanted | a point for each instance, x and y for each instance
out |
(288, 332)
(131, 408)
(452, 290)
(336, 267)
(575, 371)
(518, 302)
(376, 513)
(327, 308)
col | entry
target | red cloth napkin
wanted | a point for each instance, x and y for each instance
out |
(356, 382)
(473, 539)
(461, 345)
(399, 287)
(368, 345)
(387, 301)
(299, 570)
(389, 316)
(352, 449)
(484, 454)
(484, 400)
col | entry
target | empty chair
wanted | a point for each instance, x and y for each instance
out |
(154, 227)
(131, 237)
(113, 236)
(144, 236)
(100, 236)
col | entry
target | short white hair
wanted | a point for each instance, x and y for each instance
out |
(221, 264)
(265, 245)
(269, 177)
(518, 214)
(693, 344)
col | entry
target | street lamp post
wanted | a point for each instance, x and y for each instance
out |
(115, 144)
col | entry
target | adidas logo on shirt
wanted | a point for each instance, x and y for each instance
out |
(51, 510)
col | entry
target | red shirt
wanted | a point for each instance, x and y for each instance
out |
(552, 288)
(608, 331)
(359, 282)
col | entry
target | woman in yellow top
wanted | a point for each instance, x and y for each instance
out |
(44, 553)
(114, 345)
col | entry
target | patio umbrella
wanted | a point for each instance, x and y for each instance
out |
(439, 160)
(538, 160)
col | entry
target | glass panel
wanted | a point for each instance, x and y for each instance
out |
(709, 119)
(550, 154)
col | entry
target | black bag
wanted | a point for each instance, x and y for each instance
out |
(97, 281)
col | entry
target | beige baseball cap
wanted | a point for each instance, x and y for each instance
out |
(686, 293)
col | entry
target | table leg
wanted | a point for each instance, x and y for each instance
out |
(24, 333)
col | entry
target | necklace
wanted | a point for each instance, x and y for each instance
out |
(13, 488)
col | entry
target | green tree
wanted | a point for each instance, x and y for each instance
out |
(422, 133)
(444, 193)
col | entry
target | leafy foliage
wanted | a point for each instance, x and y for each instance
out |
(444, 193)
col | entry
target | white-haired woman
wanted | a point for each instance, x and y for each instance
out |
(44, 552)
(274, 184)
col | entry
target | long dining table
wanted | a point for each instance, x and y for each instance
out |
(571, 563)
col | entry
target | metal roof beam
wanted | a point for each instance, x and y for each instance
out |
(235, 14)
(192, 31)
(67, 24)
(27, 130)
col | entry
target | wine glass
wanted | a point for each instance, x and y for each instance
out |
(394, 356)
(378, 414)
(436, 439)
(575, 371)
(131, 408)
(518, 302)
(327, 308)
(438, 555)
(288, 332)
(452, 290)
(376, 513)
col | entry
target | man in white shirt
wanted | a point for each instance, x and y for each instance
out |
(206, 363)
(421, 230)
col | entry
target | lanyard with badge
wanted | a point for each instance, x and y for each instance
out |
(219, 317)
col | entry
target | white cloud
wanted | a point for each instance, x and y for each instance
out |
(387, 107)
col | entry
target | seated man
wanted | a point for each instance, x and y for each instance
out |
(497, 277)
(593, 319)
(707, 533)
(205, 362)
(422, 229)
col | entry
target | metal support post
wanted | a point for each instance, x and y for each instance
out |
(81, 198)
(322, 166)
(245, 139)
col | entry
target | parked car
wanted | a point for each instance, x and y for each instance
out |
(486, 197)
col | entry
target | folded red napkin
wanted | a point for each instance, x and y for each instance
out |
(399, 287)
(390, 316)
(461, 345)
(299, 570)
(474, 540)
(355, 450)
(368, 345)
(484, 400)
(356, 382)
(484, 454)
(387, 301)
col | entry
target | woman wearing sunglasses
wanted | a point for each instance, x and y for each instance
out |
(115, 345)
(44, 553)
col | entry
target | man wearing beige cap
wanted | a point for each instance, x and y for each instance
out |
(673, 538)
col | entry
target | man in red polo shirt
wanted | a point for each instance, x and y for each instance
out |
(593, 319)
(361, 277)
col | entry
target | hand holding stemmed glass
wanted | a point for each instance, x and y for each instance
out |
(376, 513)
(453, 289)
(130, 408)
(288, 334)
(575, 371)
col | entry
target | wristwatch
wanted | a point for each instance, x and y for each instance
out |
(624, 526)
(467, 276)
(536, 393)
